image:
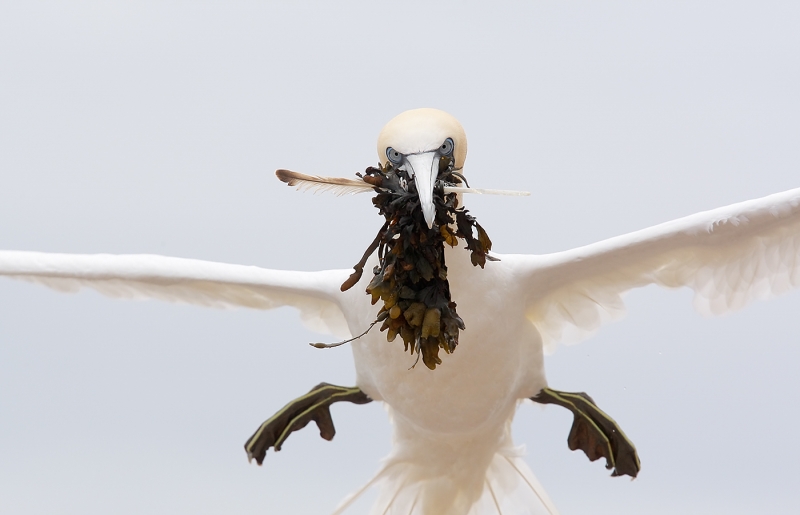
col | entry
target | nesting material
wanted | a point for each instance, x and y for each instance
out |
(411, 277)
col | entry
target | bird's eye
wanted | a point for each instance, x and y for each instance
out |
(447, 147)
(394, 156)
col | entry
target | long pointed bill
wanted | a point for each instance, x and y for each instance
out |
(425, 168)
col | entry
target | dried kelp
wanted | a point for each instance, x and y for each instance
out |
(411, 278)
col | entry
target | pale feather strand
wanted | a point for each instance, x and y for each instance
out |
(340, 186)
(481, 191)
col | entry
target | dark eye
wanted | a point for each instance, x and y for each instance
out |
(394, 156)
(447, 147)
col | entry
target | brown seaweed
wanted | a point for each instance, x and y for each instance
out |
(411, 277)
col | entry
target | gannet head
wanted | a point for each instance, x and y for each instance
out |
(415, 141)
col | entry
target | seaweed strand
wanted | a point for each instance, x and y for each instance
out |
(411, 279)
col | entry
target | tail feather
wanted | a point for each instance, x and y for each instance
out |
(536, 488)
(494, 497)
(350, 499)
(475, 475)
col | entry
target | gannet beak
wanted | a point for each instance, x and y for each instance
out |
(425, 169)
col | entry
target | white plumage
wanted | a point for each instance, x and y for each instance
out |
(452, 450)
(729, 256)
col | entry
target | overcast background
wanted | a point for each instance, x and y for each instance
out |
(156, 127)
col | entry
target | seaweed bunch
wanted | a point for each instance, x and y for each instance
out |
(411, 277)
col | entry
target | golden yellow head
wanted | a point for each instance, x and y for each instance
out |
(416, 140)
(422, 130)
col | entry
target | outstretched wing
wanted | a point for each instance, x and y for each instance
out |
(729, 256)
(191, 281)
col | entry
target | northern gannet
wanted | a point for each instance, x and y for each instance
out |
(452, 448)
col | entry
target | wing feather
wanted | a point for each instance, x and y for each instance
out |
(341, 186)
(315, 183)
(189, 281)
(729, 256)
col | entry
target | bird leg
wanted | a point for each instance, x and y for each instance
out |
(315, 405)
(594, 432)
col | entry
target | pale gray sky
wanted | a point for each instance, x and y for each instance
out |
(155, 127)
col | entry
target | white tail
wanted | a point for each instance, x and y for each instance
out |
(435, 474)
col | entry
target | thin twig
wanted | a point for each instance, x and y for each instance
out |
(332, 345)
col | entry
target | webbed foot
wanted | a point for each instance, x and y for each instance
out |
(594, 432)
(315, 405)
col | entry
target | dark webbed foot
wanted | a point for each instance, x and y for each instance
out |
(594, 432)
(315, 405)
